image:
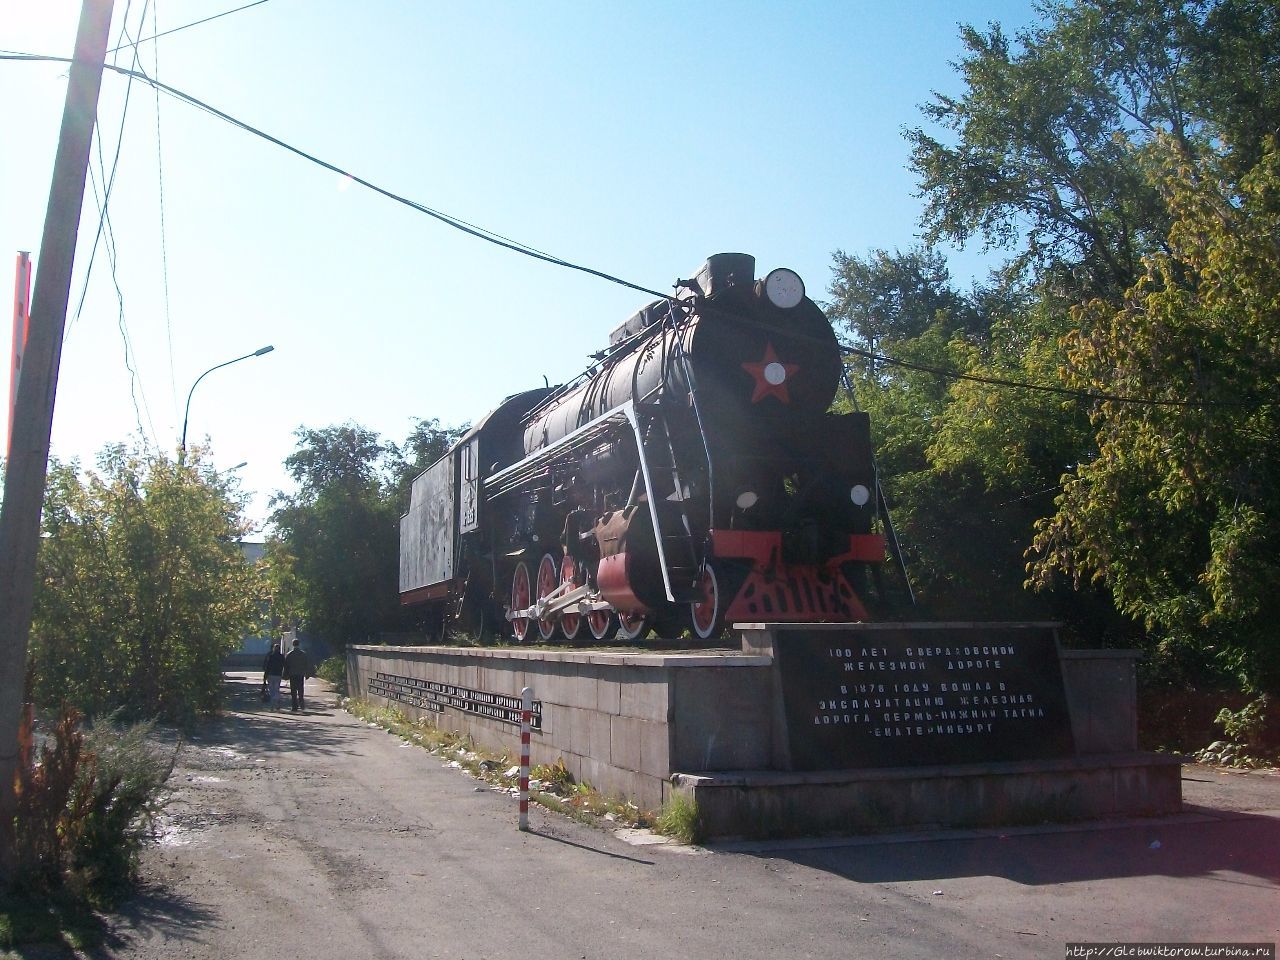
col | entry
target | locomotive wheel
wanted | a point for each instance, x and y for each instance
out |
(707, 613)
(548, 580)
(600, 622)
(633, 626)
(569, 622)
(521, 597)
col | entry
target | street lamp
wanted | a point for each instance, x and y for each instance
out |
(187, 413)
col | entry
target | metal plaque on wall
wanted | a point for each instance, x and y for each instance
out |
(913, 696)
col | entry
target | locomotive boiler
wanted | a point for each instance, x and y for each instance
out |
(694, 475)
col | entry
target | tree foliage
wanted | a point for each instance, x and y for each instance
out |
(337, 534)
(1118, 152)
(888, 298)
(1179, 513)
(335, 553)
(143, 588)
(1038, 154)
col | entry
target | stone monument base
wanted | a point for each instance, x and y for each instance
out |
(734, 728)
(764, 803)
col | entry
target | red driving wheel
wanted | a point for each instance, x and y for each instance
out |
(706, 612)
(599, 622)
(633, 626)
(548, 581)
(569, 622)
(521, 596)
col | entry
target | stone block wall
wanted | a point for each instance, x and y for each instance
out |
(608, 716)
(627, 722)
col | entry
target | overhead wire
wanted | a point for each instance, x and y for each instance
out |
(186, 26)
(108, 183)
(497, 239)
(135, 386)
(137, 392)
(1039, 387)
(164, 248)
(457, 223)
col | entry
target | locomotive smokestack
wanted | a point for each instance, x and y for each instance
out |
(722, 271)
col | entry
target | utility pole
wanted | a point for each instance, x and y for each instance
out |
(33, 411)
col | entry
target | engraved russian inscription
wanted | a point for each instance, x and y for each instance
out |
(923, 695)
(434, 696)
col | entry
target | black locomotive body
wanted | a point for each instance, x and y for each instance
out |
(692, 476)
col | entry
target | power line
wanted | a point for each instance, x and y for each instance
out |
(105, 234)
(197, 23)
(1040, 387)
(480, 233)
(164, 247)
(108, 182)
(135, 384)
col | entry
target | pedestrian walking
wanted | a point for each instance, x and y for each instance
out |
(297, 667)
(272, 671)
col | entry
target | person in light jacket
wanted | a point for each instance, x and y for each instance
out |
(297, 667)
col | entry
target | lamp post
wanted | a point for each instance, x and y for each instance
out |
(187, 413)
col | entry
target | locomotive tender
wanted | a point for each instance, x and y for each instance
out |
(692, 476)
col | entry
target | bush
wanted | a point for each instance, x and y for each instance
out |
(1250, 738)
(129, 797)
(335, 671)
(85, 808)
(48, 807)
(142, 587)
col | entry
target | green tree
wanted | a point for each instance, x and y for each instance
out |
(143, 588)
(1179, 512)
(888, 298)
(337, 535)
(335, 554)
(1037, 155)
(966, 467)
(1047, 154)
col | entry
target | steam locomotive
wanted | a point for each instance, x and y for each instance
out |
(692, 476)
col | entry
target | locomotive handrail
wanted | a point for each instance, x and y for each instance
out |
(629, 409)
(689, 382)
(509, 478)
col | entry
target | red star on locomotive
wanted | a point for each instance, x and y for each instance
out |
(694, 475)
(771, 376)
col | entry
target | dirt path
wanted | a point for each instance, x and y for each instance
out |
(319, 837)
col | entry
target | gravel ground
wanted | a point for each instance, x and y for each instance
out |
(317, 836)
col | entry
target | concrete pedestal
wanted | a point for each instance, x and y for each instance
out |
(759, 804)
(710, 724)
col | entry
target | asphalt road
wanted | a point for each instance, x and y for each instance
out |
(316, 836)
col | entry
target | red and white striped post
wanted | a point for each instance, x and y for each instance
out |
(526, 722)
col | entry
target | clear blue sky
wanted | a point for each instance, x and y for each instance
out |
(634, 138)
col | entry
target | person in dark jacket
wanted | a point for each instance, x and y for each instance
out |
(272, 671)
(297, 667)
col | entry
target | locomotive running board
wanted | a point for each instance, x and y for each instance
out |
(534, 465)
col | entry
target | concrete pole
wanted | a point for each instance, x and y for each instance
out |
(33, 410)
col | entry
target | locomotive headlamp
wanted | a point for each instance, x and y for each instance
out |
(859, 495)
(747, 499)
(784, 288)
